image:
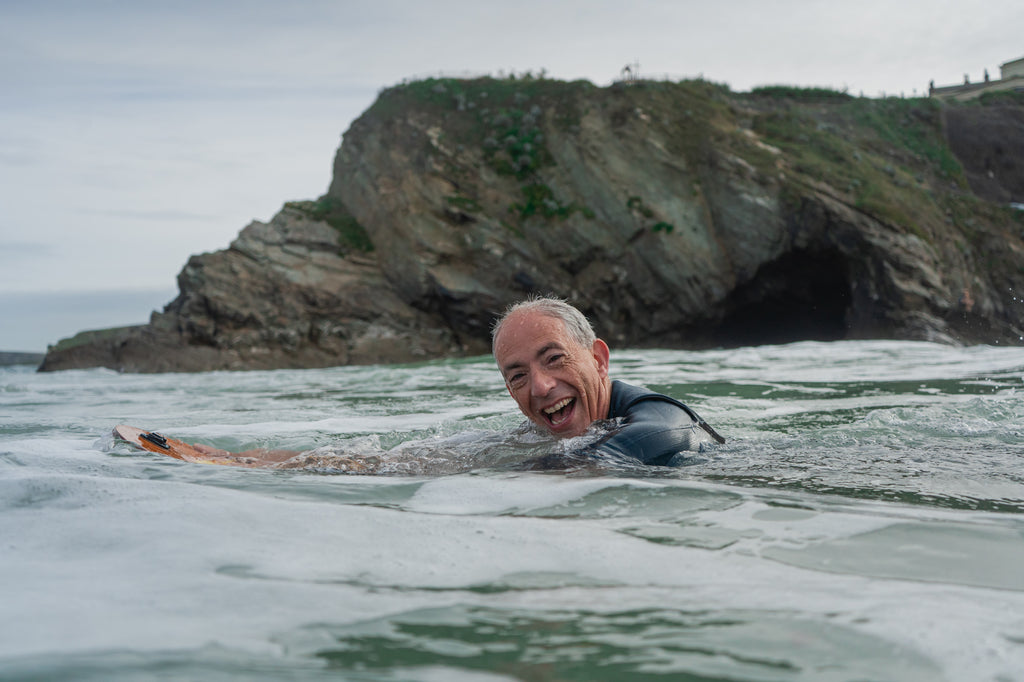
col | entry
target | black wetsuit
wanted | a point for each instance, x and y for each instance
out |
(654, 427)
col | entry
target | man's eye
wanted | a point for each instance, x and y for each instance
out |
(516, 380)
(555, 358)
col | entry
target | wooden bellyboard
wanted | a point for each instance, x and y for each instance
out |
(155, 442)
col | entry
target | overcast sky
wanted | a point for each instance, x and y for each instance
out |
(135, 133)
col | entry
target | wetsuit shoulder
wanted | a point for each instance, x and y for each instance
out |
(654, 426)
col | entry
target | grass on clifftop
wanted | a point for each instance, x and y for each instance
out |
(887, 157)
(93, 337)
(798, 94)
(1008, 97)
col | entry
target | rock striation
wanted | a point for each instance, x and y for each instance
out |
(673, 214)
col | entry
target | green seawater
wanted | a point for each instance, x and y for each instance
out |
(864, 521)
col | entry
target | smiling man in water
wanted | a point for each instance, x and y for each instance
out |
(556, 369)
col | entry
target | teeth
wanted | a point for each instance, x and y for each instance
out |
(557, 406)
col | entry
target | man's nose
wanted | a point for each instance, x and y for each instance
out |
(541, 382)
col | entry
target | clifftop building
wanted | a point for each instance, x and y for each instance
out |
(1011, 77)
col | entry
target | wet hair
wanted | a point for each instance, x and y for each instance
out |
(575, 322)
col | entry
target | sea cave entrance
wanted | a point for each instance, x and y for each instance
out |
(801, 296)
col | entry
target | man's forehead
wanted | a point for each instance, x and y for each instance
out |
(529, 332)
(532, 321)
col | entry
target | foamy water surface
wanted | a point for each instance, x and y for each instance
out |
(864, 521)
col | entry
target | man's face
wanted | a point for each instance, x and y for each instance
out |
(557, 383)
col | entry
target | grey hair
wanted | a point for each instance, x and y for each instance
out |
(575, 322)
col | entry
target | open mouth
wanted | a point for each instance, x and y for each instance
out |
(560, 412)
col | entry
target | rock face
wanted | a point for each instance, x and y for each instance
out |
(283, 295)
(989, 141)
(673, 214)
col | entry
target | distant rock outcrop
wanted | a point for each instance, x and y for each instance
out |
(674, 214)
(8, 358)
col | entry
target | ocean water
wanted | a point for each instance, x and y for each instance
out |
(864, 521)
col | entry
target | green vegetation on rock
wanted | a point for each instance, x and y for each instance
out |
(351, 235)
(798, 94)
(502, 118)
(463, 203)
(886, 155)
(637, 206)
(635, 203)
(1002, 97)
(92, 337)
(540, 200)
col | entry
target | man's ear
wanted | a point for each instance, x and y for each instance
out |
(602, 355)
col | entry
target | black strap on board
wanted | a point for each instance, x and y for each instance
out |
(156, 439)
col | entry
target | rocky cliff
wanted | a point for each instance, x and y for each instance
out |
(674, 214)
